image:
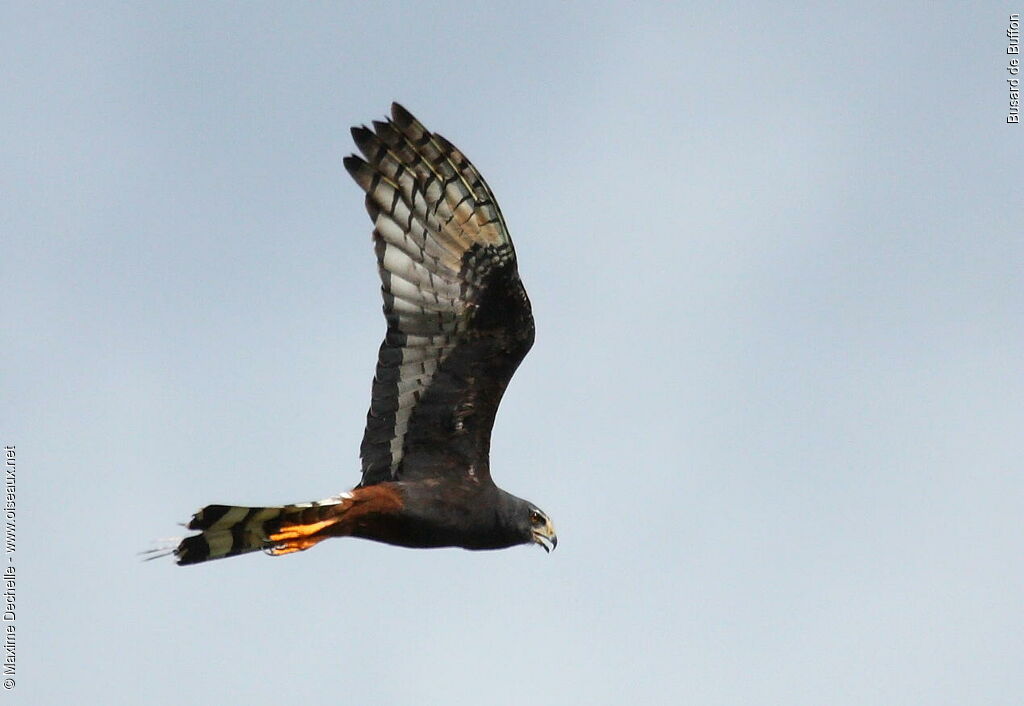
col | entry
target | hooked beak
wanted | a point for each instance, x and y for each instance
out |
(546, 537)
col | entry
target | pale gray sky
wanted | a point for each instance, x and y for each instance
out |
(774, 407)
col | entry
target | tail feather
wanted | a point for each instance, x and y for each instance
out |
(230, 530)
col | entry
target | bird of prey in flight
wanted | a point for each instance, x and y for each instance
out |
(458, 325)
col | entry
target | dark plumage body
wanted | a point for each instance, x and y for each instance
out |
(459, 323)
(448, 515)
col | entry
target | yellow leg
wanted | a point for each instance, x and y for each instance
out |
(297, 538)
(300, 531)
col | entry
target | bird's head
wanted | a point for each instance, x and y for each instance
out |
(542, 532)
(523, 522)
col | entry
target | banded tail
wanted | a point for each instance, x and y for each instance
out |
(227, 530)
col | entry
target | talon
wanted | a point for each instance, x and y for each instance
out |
(298, 545)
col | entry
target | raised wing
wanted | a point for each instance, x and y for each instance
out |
(459, 321)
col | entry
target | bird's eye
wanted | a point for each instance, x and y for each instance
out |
(535, 518)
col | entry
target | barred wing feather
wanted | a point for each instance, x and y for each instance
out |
(458, 319)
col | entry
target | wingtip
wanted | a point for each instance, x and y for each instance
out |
(355, 165)
(401, 116)
(365, 139)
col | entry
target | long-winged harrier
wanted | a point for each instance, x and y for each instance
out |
(459, 323)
